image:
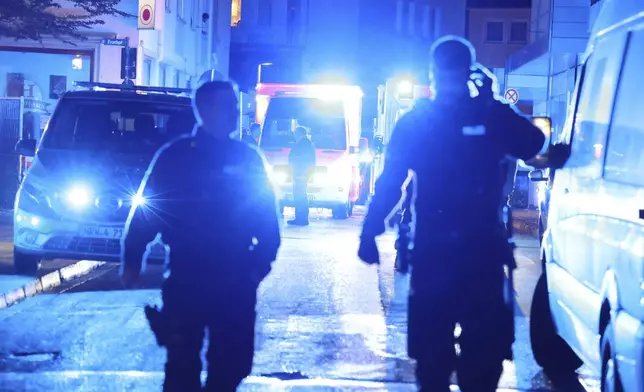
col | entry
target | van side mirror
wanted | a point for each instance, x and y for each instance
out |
(378, 145)
(537, 176)
(26, 147)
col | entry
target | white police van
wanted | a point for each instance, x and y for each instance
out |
(588, 306)
(87, 168)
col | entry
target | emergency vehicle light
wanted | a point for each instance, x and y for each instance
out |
(124, 87)
(320, 91)
(405, 88)
(543, 123)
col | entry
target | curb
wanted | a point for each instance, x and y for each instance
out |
(47, 282)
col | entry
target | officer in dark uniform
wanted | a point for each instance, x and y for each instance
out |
(247, 138)
(454, 145)
(302, 161)
(256, 131)
(197, 190)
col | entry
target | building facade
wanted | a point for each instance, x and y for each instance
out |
(346, 37)
(546, 70)
(186, 38)
(358, 41)
(497, 33)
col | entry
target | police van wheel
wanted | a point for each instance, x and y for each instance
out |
(550, 351)
(25, 264)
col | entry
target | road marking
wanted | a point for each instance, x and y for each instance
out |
(47, 282)
(271, 382)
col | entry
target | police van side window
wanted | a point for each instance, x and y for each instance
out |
(625, 150)
(594, 111)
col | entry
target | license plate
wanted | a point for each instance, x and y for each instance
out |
(102, 232)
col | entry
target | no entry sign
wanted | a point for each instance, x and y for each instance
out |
(146, 14)
(512, 96)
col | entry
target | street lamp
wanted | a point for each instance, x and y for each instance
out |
(259, 71)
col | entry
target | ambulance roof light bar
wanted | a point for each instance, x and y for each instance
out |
(124, 87)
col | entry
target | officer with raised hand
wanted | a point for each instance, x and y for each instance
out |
(454, 146)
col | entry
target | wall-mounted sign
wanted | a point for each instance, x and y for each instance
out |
(146, 14)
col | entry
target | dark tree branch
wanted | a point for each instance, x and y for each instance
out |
(35, 19)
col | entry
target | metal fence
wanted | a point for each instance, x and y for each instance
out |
(11, 125)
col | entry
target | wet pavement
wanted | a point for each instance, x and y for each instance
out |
(326, 323)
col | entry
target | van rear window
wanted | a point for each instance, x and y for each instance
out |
(324, 119)
(117, 125)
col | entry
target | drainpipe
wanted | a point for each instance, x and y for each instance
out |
(550, 27)
(212, 30)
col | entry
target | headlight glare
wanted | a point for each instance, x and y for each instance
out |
(138, 200)
(78, 196)
(280, 176)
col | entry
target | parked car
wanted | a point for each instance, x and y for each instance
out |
(87, 168)
(588, 306)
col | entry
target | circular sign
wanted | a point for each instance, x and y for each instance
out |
(512, 96)
(145, 15)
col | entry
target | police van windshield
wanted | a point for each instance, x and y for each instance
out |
(120, 126)
(324, 119)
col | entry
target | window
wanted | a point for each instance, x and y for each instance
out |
(163, 74)
(426, 21)
(399, 15)
(494, 32)
(625, 149)
(264, 12)
(117, 125)
(193, 14)
(168, 6)
(411, 18)
(177, 78)
(519, 32)
(593, 113)
(147, 71)
(324, 119)
(181, 9)
(235, 13)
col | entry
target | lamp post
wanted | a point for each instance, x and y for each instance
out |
(259, 71)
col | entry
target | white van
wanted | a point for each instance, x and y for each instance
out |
(589, 304)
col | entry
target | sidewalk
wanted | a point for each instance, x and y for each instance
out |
(526, 221)
(15, 288)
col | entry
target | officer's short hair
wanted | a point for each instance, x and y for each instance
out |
(302, 130)
(205, 93)
(452, 52)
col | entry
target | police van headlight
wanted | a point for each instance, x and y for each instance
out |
(319, 178)
(78, 196)
(278, 176)
(366, 156)
(338, 174)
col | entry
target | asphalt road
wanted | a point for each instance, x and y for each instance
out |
(326, 321)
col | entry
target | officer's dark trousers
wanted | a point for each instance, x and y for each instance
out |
(464, 284)
(190, 309)
(301, 200)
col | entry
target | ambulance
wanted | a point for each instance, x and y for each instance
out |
(332, 114)
(395, 98)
